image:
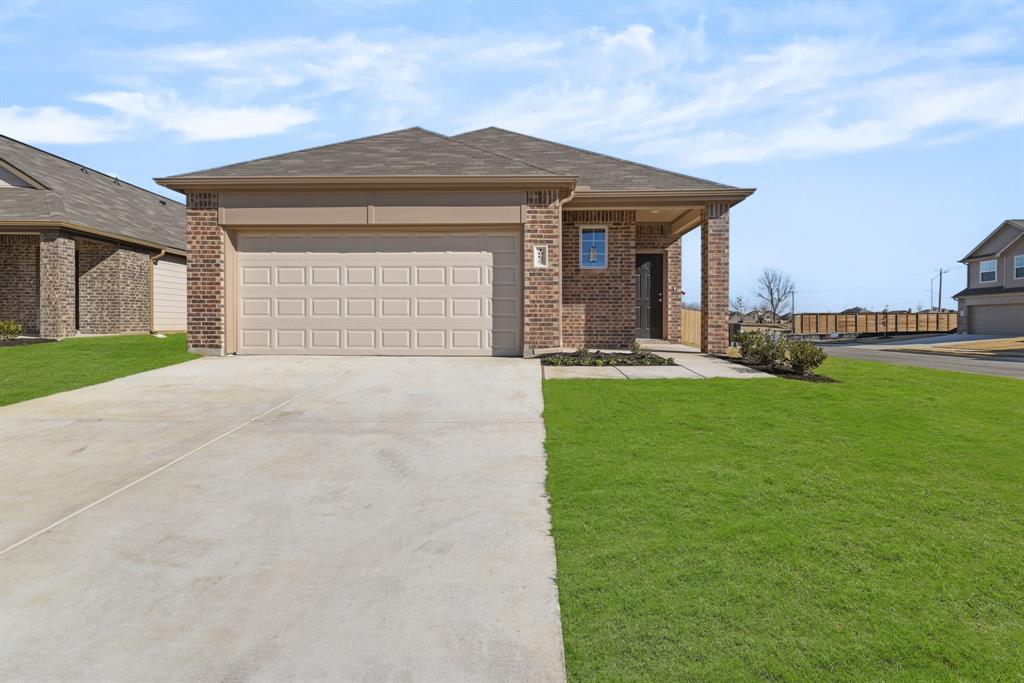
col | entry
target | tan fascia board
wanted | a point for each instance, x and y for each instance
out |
(655, 198)
(211, 183)
(42, 225)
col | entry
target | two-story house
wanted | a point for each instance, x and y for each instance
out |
(993, 302)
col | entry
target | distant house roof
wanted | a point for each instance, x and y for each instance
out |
(595, 172)
(1015, 225)
(45, 188)
(408, 152)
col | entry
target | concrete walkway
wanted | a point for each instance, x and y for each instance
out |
(281, 519)
(690, 364)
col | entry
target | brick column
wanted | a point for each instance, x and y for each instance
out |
(56, 285)
(542, 320)
(714, 280)
(205, 238)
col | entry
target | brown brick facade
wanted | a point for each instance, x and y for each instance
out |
(56, 285)
(542, 286)
(599, 303)
(714, 281)
(113, 287)
(206, 306)
(19, 281)
(40, 286)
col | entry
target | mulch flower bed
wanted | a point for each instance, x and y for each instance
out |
(600, 359)
(24, 341)
(785, 373)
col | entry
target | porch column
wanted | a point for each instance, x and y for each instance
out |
(714, 280)
(56, 285)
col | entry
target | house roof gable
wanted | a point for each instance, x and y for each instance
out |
(999, 240)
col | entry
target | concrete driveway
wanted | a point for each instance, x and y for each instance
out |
(288, 518)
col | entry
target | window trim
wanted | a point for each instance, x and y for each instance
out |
(579, 258)
(1015, 266)
(994, 271)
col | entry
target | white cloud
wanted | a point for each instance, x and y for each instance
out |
(54, 125)
(513, 53)
(199, 121)
(636, 37)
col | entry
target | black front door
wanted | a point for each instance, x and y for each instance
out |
(649, 296)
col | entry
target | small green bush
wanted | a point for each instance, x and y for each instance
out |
(769, 351)
(804, 357)
(9, 329)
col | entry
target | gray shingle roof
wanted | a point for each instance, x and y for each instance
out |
(408, 152)
(595, 172)
(80, 195)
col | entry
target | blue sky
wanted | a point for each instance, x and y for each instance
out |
(885, 140)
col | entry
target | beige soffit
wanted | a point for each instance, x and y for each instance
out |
(42, 225)
(564, 184)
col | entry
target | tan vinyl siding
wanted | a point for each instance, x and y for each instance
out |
(169, 286)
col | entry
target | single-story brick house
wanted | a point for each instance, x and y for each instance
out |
(416, 243)
(993, 302)
(81, 251)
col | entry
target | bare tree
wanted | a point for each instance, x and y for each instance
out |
(774, 289)
(739, 304)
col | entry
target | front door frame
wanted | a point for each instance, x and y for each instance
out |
(664, 284)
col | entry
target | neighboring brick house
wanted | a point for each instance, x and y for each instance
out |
(993, 302)
(415, 243)
(82, 252)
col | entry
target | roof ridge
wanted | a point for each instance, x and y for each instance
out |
(491, 152)
(421, 129)
(601, 154)
(306, 149)
(88, 168)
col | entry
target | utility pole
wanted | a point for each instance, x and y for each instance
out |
(792, 310)
(939, 307)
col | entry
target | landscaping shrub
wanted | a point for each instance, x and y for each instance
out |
(804, 357)
(769, 351)
(9, 329)
(778, 353)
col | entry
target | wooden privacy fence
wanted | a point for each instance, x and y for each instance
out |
(690, 327)
(873, 323)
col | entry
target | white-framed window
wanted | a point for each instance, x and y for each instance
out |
(987, 271)
(1018, 267)
(594, 247)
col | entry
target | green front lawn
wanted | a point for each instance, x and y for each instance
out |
(42, 369)
(871, 529)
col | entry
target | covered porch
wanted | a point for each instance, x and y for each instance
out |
(632, 290)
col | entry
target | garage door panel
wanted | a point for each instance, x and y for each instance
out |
(404, 294)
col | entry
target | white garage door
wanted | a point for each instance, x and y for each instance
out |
(406, 293)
